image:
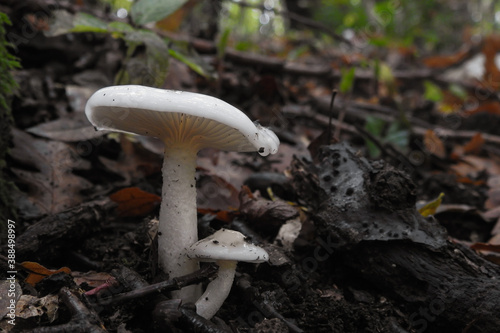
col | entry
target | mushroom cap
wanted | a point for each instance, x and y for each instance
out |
(178, 118)
(227, 244)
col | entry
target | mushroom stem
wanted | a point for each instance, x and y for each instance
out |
(178, 224)
(217, 290)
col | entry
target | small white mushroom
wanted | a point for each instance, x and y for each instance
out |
(225, 248)
(185, 122)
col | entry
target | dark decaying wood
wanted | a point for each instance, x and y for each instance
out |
(53, 235)
(365, 212)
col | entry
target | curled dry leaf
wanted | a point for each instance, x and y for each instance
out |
(133, 201)
(37, 272)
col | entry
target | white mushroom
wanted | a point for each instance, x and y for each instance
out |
(185, 122)
(225, 248)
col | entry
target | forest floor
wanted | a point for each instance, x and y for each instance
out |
(336, 207)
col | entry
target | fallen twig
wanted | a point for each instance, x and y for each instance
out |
(169, 285)
(83, 319)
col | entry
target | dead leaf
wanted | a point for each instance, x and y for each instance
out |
(265, 214)
(37, 272)
(5, 286)
(475, 144)
(485, 247)
(434, 145)
(133, 201)
(490, 107)
(221, 215)
(471, 166)
(491, 46)
(73, 127)
(444, 61)
(31, 306)
(44, 173)
(174, 20)
(215, 193)
(92, 279)
(431, 207)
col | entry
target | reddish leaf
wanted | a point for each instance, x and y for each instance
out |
(475, 144)
(222, 215)
(490, 107)
(485, 247)
(37, 272)
(133, 201)
(444, 61)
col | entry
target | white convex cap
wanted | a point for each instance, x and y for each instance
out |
(178, 118)
(228, 245)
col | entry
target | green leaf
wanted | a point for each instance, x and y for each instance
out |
(385, 74)
(191, 64)
(432, 92)
(65, 22)
(347, 80)
(222, 44)
(375, 127)
(88, 23)
(397, 136)
(120, 27)
(458, 91)
(146, 11)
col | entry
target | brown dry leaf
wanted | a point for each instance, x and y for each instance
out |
(491, 46)
(31, 306)
(434, 145)
(174, 20)
(486, 247)
(221, 215)
(488, 251)
(215, 193)
(265, 214)
(92, 279)
(222, 164)
(472, 165)
(37, 272)
(444, 61)
(44, 171)
(133, 201)
(491, 107)
(475, 144)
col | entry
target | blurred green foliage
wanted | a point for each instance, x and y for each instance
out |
(431, 24)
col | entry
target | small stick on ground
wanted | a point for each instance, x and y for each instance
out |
(83, 319)
(169, 285)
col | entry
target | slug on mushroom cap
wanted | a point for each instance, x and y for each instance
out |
(225, 248)
(186, 122)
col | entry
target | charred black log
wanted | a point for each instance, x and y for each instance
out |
(367, 212)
